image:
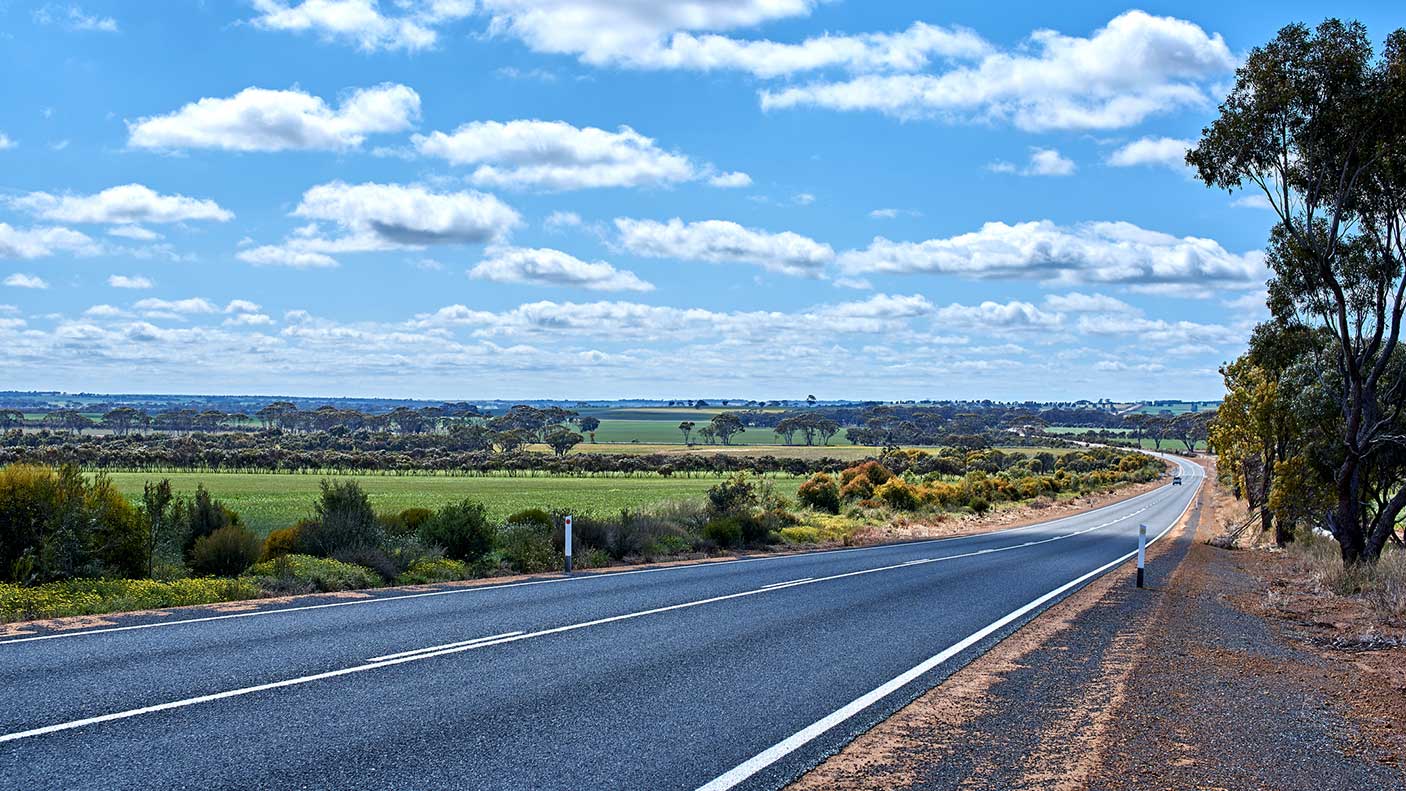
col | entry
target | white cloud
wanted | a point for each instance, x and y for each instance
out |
(1135, 66)
(543, 266)
(6, 142)
(1253, 200)
(276, 255)
(721, 241)
(1159, 332)
(165, 308)
(1013, 315)
(249, 320)
(41, 242)
(555, 155)
(134, 232)
(891, 213)
(105, 312)
(1076, 302)
(22, 280)
(1043, 162)
(1117, 253)
(123, 205)
(75, 18)
(734, 180)
(361, 22)
(394, 216)
(129, 281)
(242, 306)
(1169, 152)
(257, 119)
(803, 199)
(558, 220)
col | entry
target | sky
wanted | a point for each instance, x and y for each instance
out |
(591, 199)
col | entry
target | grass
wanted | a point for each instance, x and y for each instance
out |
(268, 501)
(1382, 586)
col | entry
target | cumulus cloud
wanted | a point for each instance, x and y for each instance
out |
(1076, 302)
(22, 280)
(258, 119)
(1169, 152)
(75, 18)
(1160, 332)
(543, 266)
(44, 241)
(1117, 253)
(6, 142)
(554, 155)
(1133, 67)
(1013, 315)
(558, 220)
(1043, 162)
(362, 23)
(391, 216)
(722, 241)
(174, 308)
(129, 281)
(278, 255)
(123, 205)
(733, 180)
(134, 232)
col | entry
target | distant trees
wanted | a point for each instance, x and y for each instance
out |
(11, 418)
(1314, 123)
(561, 440)
(686, 427)
(725, 425)
(809, 426)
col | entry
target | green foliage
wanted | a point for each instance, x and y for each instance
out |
(462, 529)
(308, 574)
(736, 494)
(528, 549)
(345, 521)
(97, 596)
(283, 542)
(201, 516)
(531, 516)
(431, 570)
(725, 531)
(898, 495)
(55, 525)
(227, 552)
(800, 535)
(980, 506)
(821, 493)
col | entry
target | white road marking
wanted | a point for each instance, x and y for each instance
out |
(790, 744)
(787, 582)
(427, 649)
(515, 637)
(554, 581)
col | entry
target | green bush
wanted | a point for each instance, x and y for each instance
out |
(306, 574)
(405, 523)
(821, 493)
(733, 495)
(97, 596)
(800, 535)
(528, 549)
(201, 516)
(344, 523)
(54, 524)
(282, 542)
(531, 516)
(462, 529)
(424, 572)
(725, 531)
(227, 552)
(979, 506)
(897, 494)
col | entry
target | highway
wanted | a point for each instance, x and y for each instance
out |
(735, 674)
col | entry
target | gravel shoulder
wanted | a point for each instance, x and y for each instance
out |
(1184, 684)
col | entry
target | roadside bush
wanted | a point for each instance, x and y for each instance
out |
(227, 552)
(372, 558)
(282, 542)
(528, 549)
(462, 529)
(898, 495)
(800, 535)
(532, 516)
(308, 574)
(821, 493)
(979, 506)
(725, 531)
(406, 551)
(405, 523)
(858, 482)
(427, 571)
(733, 495)
(201, 516)
(98, 596)
(344, 522)
(56, 525)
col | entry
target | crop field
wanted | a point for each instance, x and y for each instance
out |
(267, 501)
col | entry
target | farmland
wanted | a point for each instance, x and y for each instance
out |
(268, 501)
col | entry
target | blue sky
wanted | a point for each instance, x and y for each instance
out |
(624, 198)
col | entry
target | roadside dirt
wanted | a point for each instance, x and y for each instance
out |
(1183, 685)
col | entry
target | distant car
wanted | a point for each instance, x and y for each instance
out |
(1176, 480)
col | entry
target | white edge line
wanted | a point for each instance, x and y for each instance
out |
(427, 649)
(592, 576)
(790, 744)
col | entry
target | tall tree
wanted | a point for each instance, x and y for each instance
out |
(725, 425)
(1317, 123)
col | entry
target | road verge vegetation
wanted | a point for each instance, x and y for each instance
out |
(71, 545)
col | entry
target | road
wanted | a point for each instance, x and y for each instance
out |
(725, 675)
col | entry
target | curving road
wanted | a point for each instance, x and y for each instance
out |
(738, 674)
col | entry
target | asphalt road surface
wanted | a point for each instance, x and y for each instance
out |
(725, 675)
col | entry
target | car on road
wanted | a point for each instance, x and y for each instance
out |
(1176, 480)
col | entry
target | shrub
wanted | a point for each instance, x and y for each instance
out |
(97, 596)
(735, 494)
(427, 571)
(54, 524)
(344, 521)
(202, 516)
(528, 549)
(371, 558)
(306, 574)
(821, 493)
(462, 529)
(800, 535)
(227, 552)
(282, 542)
(531, 516)
(898, 495)
(871, 471)
(980, 506)
(725, 531)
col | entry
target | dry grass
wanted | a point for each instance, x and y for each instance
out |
(1381, 586)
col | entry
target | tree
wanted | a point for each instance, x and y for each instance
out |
(589, 425)
(687, 428)
(160, 522)
(707, 433)
(725, 425)
(810, 400)
(561, 440)
(1314, 122)
(11, 418)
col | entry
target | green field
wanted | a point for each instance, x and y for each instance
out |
(665, 431)
(267, 501)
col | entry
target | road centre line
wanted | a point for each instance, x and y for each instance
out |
(432, 652)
